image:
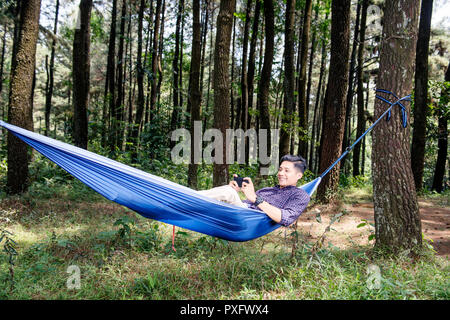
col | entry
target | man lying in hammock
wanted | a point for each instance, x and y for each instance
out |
(283, 203)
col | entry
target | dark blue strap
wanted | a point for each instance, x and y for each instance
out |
(397, 102)
(386, 113)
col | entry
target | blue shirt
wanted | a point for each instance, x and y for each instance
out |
(292, 201)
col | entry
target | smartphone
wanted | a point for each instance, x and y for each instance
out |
(239, 180)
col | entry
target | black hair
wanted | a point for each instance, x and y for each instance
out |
(299, 161)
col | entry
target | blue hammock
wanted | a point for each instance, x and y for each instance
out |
(157, 198)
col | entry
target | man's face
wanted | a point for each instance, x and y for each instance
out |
(288, 175)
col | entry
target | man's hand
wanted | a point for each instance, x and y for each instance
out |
(234, 184)
(249, 189)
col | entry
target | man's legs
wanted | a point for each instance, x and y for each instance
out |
(224, 193)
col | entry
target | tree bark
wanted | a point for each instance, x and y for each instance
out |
(361, 124)
(155, 53)
(49, 89)
(303, 108)
(176, 71)
(140, 84)
(221, 85)
(266, 72)
(20, 107)
(119, 105)
(194, 95)
(289, 80)
(439, 171)
(421, 94)
(335, 98)
(397, 221)
(81, 74)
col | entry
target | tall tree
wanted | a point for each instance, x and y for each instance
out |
(266, 72)
(194, 95)
(335, 97)
(244, 79)
(251, 59)
(289, 79)
(81, 74)
(348, 113)
(360, 126)
(111, 81)
(176, 70)
(2, 59)
(119, 103)
(154, 92)
(221, 85)
(303, 108)
(442, 158)
(421, 94)
(397, 220)
(51, 70)
(140, 84)
(21, 82)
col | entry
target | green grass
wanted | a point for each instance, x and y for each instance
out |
(121, 255)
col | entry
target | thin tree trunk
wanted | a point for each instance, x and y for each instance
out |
(439, 171)
(194, 94)
(140, 84)
(155, 53)
(421, 95)
(176, 71)
(303, 108)
(397, 220)
(222, 85)
(119, 106)
(289, 80)
(360, 89)
(49, 90)
(335, 98)
(345, 163)
(21, 88)
(81, 75)
(266, 72)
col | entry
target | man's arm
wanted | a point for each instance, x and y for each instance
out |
(273, 212)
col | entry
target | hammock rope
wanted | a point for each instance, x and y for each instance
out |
(157, 198)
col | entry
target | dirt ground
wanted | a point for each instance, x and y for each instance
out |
(344, 233)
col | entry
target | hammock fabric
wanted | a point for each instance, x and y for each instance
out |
(157, 198)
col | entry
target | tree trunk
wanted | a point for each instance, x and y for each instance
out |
(302, 106)
(49, 89)
(439, 170)
(289, 80)
(2, 61)
(309, 85)
(21, 83)
(348, 113)
(194, 94)
(119, 106)
(421, 95)
(397, 220)
(335, 98)
(266, 72)
(176, 71)
(155, 53)
(251, 63)
(140, 84)
(81, 74)
(222, 85)
(360, 89)
(111, 66)
(244, 79)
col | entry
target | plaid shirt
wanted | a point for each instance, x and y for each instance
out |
(292, 201)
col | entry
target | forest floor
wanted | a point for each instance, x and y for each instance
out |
(434, 214)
